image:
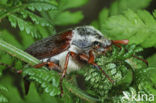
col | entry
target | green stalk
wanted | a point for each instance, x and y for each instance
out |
(20, 54)
(79, 92)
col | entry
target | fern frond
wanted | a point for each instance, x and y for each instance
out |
(119, 6)
(3, 98)
(21, 9)
(35, 18)
(24, 25)
(48, 80)
(152, 60)
(121, 67)
(135, 26)
(33, 5)
(40, 5)
(67, 4)
(62, 17)
(3, 88)
(66, 18)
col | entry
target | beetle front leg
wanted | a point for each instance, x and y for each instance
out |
(90, 60)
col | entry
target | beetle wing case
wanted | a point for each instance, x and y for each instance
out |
(50, 46)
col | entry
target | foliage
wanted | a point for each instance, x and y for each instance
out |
(126, 72)
(152, 60)
(50, 82)
(42, 13)
(119, 6)
(19, 11)
(64, 17)
(125, 19)
(2, 97)
(139, 25)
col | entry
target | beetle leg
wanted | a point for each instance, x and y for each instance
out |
(145, 61)
(117, 45)
(125, 42)
(90, 60)
(91, 57)
(51, 65)
(65, 69)
(64, 72)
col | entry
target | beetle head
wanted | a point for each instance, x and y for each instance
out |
(90, 38)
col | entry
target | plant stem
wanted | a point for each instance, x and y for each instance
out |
(79, 93)
(20, 54)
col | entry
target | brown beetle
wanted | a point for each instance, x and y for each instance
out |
(72, 49)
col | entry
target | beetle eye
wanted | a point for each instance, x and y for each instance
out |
(96, 43)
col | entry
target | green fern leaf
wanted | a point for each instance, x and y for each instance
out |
(3, 88)
(66, 4)
(103, 15)
(24, 25)
(118, 7)
(35, 18)
(3, 99)
(48, 80)
(66, 18)
(41, 6)
(139, 25)
(62, 17)
(152, 60)
(121, 5)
